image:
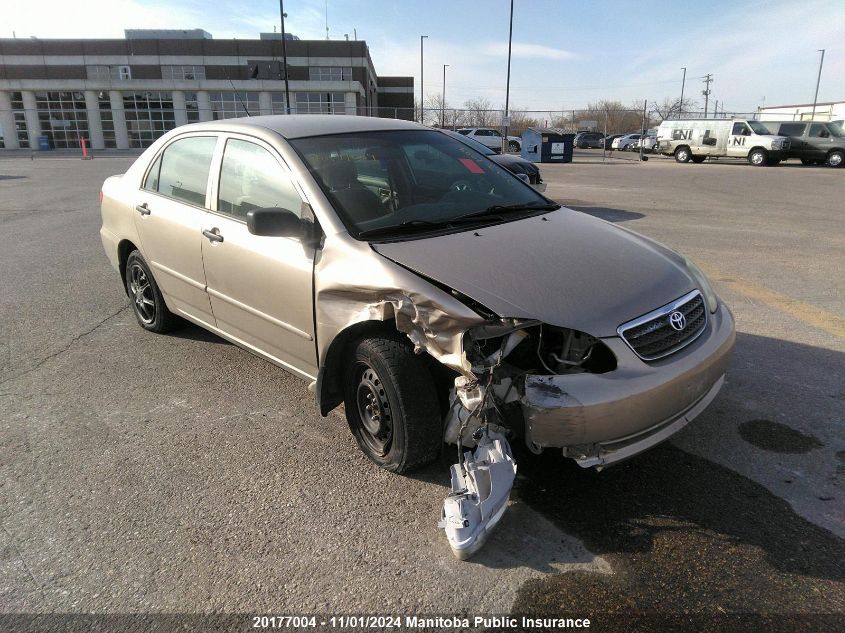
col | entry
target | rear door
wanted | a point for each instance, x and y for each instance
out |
(260, 288)
(170, 209)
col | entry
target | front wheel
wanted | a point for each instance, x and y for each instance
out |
(758, 157)
(391, 403)
(513, 147)
(147, 300)
(683, 155)
(835, 158)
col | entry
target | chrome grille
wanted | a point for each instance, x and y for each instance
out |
(653, 336)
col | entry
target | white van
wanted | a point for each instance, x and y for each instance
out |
(696, 139)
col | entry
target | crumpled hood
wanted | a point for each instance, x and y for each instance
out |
(565, 268)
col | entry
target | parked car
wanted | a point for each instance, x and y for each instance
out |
(491, 138)
(625, 142)
(608, 140)
(407, 276)
(814, 142)
(646, 142)
(696, 139)
(515, 164)
(584, 140)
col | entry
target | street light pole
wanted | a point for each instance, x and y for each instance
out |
(508, 86)
(443, 100)
(422, 85)
(683, 83)
(818, 80)
(285, 56)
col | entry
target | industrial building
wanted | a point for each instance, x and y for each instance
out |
(125, 93)
(822, 111)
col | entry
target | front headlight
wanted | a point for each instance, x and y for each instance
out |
(710, 298)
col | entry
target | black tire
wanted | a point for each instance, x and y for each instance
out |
(758, 157)
(405, 430)
(513, 146)
(682, 154)
(836, 158)
(698, 159)
(147, 302)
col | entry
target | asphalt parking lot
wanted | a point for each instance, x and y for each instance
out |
(179, 473)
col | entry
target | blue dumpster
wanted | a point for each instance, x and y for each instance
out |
(44, 143)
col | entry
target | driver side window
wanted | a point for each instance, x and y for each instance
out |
(251, 178)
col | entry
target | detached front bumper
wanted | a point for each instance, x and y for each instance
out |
(599, 419)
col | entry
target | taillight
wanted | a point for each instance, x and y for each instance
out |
(101, 197)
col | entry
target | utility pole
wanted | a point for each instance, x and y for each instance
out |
(508, 87)
(285, 56)
(681, 103)
(818, 80)
(422, 86)
(443, 100)
(708, 79)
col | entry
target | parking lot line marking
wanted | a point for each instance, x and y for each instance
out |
(806, 312)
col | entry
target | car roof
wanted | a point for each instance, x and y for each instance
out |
(302, 125)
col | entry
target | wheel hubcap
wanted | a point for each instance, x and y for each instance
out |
(757, 158)
(141, 293)
(374, 411)
(835, 160)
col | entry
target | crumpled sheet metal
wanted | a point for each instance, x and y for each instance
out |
(354, 284)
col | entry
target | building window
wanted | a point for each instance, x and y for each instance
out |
(108, 73)
(107, 120)
(63, 118)
(148, 116)
(230, 105)
(20, 120)
(183, 73)
(278, 102)
(330, 73)
(192, 107)
(320, 103)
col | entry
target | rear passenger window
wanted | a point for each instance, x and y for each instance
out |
(184, 169)
(792, 129)
(819, 131)
(251, 178)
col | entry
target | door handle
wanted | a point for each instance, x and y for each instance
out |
(213, 235)
(142, 209)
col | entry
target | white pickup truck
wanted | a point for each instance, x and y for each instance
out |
(491, 137)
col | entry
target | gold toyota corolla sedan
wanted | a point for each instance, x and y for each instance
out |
(420, 284)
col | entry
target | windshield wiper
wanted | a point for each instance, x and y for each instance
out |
(499, 209)
(408, 226)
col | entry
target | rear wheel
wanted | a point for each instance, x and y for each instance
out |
(513, 146)
(683, 155)
(835, 158)
(147, 300)
(758, 157)
(391, 404)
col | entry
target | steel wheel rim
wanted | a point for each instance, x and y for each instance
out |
(374, 415)
(141, 293)
(757, 158)
(682, 155)
(835, 160)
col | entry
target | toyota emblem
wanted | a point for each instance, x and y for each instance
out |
(677, 320)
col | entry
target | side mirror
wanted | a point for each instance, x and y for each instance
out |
(274, 222)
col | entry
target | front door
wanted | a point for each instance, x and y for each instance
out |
(169, 213)
(260, 288)
(738, 144)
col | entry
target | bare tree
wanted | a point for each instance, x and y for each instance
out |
(520, 121)
(671, 108)
(479, 113)
(435, 112)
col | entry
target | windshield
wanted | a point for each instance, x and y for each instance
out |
(466, 140)
(411, 181)
(758, 127)
(835, 128)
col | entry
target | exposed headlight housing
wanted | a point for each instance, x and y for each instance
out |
(710, 298)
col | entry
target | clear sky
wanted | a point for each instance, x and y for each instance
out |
(566, 53)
